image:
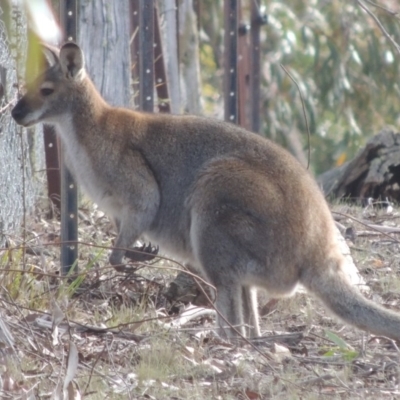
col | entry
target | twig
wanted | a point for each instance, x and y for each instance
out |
(286, 338)
(189, 314)
(373, 227)
(8, 105)
(19, 310)
(381, 27)
(321, 361)
(24, 210)
(391, 12)
(382, 228)
(314, 381)
(304, 113)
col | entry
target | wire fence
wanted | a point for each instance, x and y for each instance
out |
(20, 153)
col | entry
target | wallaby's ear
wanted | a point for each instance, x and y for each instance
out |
(51, 55)
(72, 61)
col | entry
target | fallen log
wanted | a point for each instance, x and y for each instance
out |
(373, 173)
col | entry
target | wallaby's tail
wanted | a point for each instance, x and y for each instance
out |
(345, 301)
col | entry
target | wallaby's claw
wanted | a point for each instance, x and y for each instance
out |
(142, 253)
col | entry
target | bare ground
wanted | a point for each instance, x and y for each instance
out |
(111, 335)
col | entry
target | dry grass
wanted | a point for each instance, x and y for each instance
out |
(120, 328)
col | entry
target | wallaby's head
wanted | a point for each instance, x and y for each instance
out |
(49, 95)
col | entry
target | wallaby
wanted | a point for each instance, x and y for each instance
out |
(234, 205)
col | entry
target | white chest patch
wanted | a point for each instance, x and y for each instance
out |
(81, 166)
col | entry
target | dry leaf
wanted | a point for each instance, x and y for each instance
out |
(72, 366)
(252, 395)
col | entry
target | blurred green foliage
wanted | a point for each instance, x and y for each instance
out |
(346, 68)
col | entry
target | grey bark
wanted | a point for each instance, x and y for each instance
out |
(104, 38)
(169, 36)
(20, 153)
(189, 58)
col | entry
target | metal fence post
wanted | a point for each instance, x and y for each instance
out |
(146, 59)
(231, 54)
(243, 71)
(159, 68)
(69, 192)
(255, 80)
(52, 155)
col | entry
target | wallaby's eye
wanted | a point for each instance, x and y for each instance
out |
(46, 91)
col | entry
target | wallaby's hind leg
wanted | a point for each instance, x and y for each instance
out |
(216, 260)
(229, 304)
(232, 234)
(250, 311)
(224, 265)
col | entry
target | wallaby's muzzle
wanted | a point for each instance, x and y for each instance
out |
(20, 112)
(23, 113)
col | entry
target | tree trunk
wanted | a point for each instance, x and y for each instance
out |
(104, 38)
(189, 58)
(20, 152)
(169, 36)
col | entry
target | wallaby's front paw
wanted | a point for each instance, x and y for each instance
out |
(142, 253)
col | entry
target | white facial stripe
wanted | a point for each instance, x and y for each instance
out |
(32, 117)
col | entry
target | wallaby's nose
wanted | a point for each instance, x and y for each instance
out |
(18, 112)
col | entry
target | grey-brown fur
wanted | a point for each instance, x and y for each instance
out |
(234, 205)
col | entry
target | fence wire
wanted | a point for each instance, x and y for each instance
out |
(20, 155)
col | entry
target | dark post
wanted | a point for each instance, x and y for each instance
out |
(51, 151)
(159, 66)
(243, 71)
(146, 67)
(69, 192)
(134, 23)
(255, 82)
(230, 76)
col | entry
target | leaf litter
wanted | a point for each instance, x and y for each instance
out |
(103, 334)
